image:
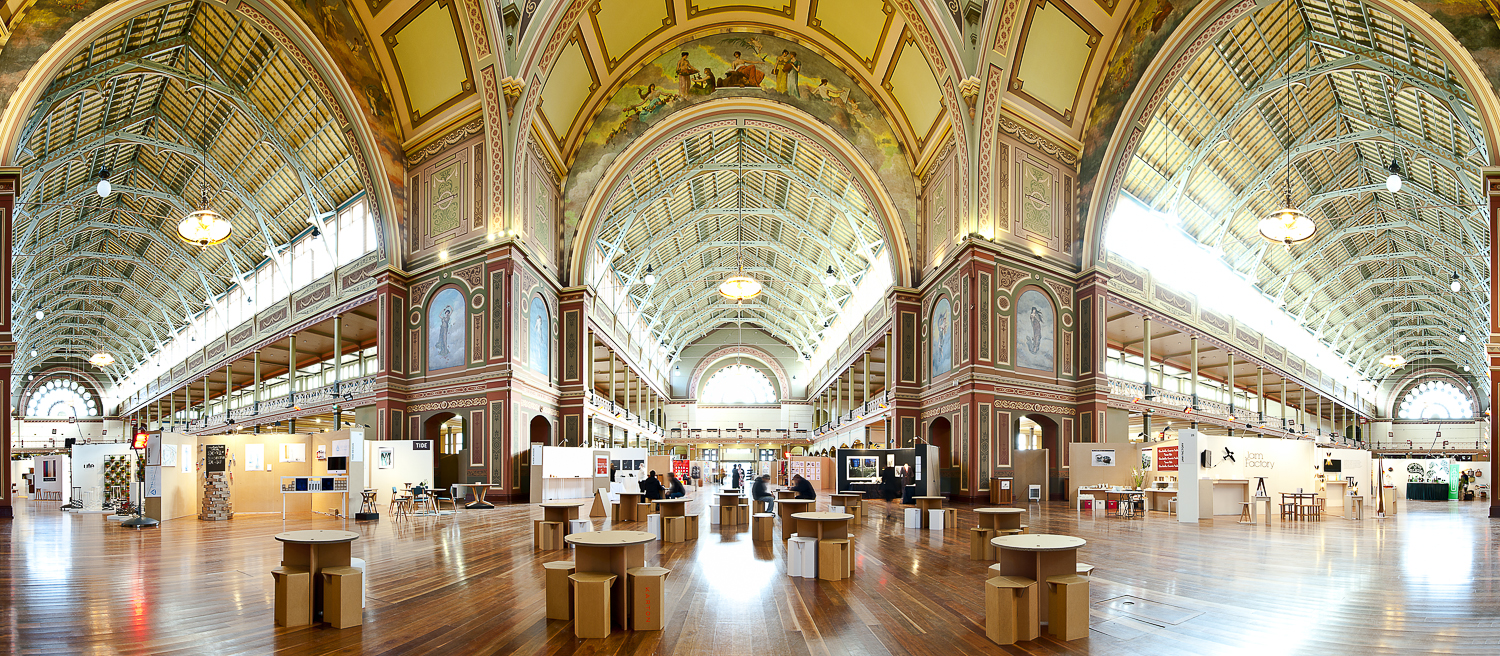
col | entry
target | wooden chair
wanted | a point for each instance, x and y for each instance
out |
(1245, 513)
(367, 504)
(400, 504)
(439, 498)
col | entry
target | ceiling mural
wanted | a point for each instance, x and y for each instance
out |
(739, 65)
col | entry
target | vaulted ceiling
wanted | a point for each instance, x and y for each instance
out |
(1347, 89)
(730, 198)
(183, 102)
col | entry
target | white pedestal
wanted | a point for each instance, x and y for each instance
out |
(913, 518)
(653, 524)
(935, 519)
(802, 557)
(580, 526)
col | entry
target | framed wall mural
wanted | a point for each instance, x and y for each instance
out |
(539, 337)
(1036, 331)
(446, 346)
(942, 338)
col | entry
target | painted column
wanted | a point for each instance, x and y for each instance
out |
(1492, 348)
(256, 375)
(187, 405)
(906, 381)
(228, 388)
(1193, 378)
(338, 355)
(10, 184)
(291, 371)
(866, 398)
(1260, 394)
(1146, 357)
(1229, 379)
(573, 381)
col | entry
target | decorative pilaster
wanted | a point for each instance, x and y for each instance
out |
(1492, 348)
(10, 184)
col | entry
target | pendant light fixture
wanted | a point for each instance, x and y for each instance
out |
(650, 278)
(101, 359)
(1393, 360)
(740, 287)
(103, 188)
(1454, 284)
(1393, 182)
(1288, 225)
(204, 227)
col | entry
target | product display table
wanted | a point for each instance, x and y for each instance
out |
(1265, 502)
(479, 490)
(1296, 498)
(785, 508)
(561, 511)
(1427, 491)
(926, 504)
(629, 501)
(1000, 519)
(611, 552)
(1037, 556)
(671, 507)
(314, 550)
(1354, 507)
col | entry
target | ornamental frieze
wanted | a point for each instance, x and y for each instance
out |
(447, 391)
(451, 404)
(1026, 406)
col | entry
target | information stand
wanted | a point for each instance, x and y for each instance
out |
(314, 485)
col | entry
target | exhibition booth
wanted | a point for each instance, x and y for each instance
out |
(860, 470)
(100, 472)
(568, 472)
(1425, 479)
(1226, 471)
(52, 477)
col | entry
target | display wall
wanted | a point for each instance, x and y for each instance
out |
(256, 466)
(61, 484)
(1103, 463)
(176, 493)
(88, 468)
(393, 464)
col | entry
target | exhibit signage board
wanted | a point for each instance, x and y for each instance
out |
(1166, 458)
(215, 457)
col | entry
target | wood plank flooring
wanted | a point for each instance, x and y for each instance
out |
(1422, 582)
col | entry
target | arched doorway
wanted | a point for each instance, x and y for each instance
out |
(447, 432)
(541, 431)
(1038, 459)
(940, 435)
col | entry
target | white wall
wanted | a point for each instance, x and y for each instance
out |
(1425, 436)
(88, 467)
(17, 469)
(682, 371)
(1286, 464)
(410, 466)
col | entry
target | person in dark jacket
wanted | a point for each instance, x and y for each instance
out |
(738, 474)
(761, 494)
(803, 487)
(890, 488)
(651, 486)
(676, 491)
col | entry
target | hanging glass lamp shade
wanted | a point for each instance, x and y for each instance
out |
(101, 359)
(1392, 361)
(1287, 226)
(739, 287)
(204, 227)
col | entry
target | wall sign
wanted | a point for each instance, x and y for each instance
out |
(214, 456)
(1166, 458)
(421, 445)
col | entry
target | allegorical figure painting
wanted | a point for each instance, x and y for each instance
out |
(445, 331)
(942, 338)
(1036, 328)
(539, 336)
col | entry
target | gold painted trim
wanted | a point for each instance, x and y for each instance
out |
(789, 10)
(611, 63)
(388, 38)
(1017, 85)
(885, 31)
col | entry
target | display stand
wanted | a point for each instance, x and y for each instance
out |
(314, 485)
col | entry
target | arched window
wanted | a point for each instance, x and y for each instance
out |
(738, 383)
(62, 398)
(1435, 399)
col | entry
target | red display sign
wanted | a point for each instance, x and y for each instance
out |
(680, 467)
(139, 442)
(1166, 458)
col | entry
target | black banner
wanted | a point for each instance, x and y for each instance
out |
(215, 457)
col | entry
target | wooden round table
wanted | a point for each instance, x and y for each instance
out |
(1037, 556)
(629, 502)
(784, 510)
(479, 489)
(561, 511)
(823, 525)
(613, 552)
(1000, 519)
(671, 507)
(314, 550)
(926, 504)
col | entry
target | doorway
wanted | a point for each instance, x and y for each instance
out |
(1040, 432)
(448, 432)
(940, 435)
(541, 431)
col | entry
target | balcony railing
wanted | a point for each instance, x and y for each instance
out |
(327, 395)
(877, 404)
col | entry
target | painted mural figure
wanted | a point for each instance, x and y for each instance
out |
(743, 73)
(685, 73)
(445, 330)
(540, 340)
(942, 338)
(1036, 341)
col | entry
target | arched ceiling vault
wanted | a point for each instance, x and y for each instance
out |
(182, 100)
(1344, 88)
(736, 197)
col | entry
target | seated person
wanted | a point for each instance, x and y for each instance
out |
(803, 487)
(677, 491)
(761, 494)
(651, 487)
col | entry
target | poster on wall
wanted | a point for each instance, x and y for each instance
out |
(186, 458)
(340, 449)
(255, 457)
(1166, 459)
(385, 458)
(1104, 458)
(861, 468)
(296, 452)
(153, 481)
(601, 465)
(49, 470)
(169, 455)
(1146, 459)
(680, 467)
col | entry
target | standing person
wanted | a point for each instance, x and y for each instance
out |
(697, 475)
(761, 494)
(675, 490)
(803, 487)
(685, 73)
(783, 64)
(738, 475)
(890, 488)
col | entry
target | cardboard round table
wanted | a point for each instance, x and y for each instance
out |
(613, 552)
(314, 550)
(1000, 519)
(561, 511)
(1037, 556)
(926, 504)
(671, 507)
(786, 493)
(823, 525)
(479, 489)
(629, 501)
(785, 508)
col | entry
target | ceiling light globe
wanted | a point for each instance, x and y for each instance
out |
(101, 359)
(650, 278)
(41, 314)
(1455, 285)
(103, 188)
(1462, 337)
(1393, 183)
(1287, 226)
(1392, 361)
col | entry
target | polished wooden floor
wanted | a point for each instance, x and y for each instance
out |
(1422, 582)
